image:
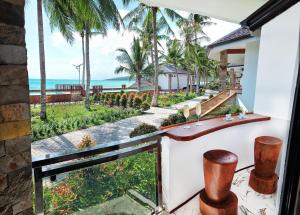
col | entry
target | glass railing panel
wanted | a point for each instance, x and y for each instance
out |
(124, 186)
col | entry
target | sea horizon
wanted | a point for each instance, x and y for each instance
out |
(34, 83)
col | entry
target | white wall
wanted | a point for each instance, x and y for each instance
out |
(248, 80)
(163, 81)
(277, 70)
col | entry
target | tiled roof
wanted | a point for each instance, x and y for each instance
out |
(170, 68)
(239, 34)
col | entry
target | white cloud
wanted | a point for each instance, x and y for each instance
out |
(219, 29)
(112, 41)
(57, 39)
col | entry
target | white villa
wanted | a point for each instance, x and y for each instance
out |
(167, 79)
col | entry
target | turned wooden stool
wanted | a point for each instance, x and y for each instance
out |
(263, 178)
(216, 198)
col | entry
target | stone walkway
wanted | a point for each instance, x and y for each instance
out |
(107, 132)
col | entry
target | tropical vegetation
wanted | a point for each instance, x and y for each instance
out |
(134, 63)
(88, 18)
(98, 184)
(66, 118)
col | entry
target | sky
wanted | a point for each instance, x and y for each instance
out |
(61, 56)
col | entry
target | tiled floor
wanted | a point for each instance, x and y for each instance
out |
(250, 202)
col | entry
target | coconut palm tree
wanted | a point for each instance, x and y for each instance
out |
(198, 61)
(133, 63)
(88, 17)
(139, 15)
(174, 56)
(43, 114)
(191, 30)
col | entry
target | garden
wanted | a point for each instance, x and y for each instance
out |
(105, 107)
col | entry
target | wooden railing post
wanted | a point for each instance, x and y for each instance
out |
(38, 190)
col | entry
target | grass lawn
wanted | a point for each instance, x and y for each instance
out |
(166, 100)
(65, 118)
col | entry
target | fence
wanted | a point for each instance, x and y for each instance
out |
(99, 154)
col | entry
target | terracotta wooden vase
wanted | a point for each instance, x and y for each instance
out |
(216, 198)
(266, 152)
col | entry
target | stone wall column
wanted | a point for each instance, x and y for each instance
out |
(223, 69)
(15, 126)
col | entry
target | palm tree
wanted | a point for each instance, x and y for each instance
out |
(198, 59)
(142, 13)
(88, 17)
(145, 33)
(43, 114)
(135, 63)
(174, 56)
(192, 32)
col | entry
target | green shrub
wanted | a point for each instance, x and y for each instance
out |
(123, 101)
(165, 122)
(143, 129)
(213, 85)
(174, 119)
(137, 102)
(177, 118)
(211, 96)
(144, 97)
(233, 109)
(118, 98)
(145, 106)
(107, 99)
(130, 100)
(113, 98)
(103, 98)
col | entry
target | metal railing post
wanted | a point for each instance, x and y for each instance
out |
(159, 201)
(38, 190)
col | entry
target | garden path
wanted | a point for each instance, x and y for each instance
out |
(104, 133)
(107, 132)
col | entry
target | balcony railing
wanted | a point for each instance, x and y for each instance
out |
(65, 162)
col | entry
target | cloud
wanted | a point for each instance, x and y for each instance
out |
(112, 41)
(219, 29)
(57, 39)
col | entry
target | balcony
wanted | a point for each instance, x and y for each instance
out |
(177, 162)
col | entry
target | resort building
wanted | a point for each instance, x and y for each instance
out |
(167, 79)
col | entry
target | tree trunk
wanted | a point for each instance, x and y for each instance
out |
(43, 115)
(88, 74)
(138, 80)
(156, 92)
(177, 76)
(197, 79)
(83, 60)
(187, 83)
(152, 61)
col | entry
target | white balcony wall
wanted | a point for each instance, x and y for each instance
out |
(278, 70)
(248, 80)
(182, 167)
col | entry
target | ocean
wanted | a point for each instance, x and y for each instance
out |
(34, 84)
